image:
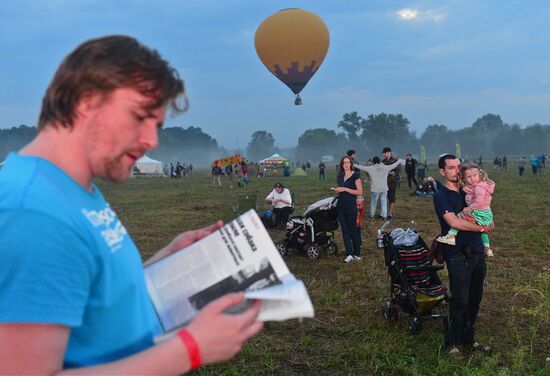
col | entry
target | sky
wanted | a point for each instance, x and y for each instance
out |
(435, 62)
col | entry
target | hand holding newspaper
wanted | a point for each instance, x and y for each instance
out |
(239, 257)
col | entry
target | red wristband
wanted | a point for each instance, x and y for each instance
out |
(192, 348)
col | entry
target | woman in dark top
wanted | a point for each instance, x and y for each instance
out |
(349, 188)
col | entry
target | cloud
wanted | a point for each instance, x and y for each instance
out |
(432, 15)
(407, 14)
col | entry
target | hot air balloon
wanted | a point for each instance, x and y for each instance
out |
(292, 44)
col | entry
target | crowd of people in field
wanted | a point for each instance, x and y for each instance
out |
(178, 170)
(537, 163)
(236, 173)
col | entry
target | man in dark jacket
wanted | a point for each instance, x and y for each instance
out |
(410, 169)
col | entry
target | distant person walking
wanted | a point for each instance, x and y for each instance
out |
(497, 162)
(322, 170)
(229, 172)
(393, 178)
(410, 169)
(216, 174)
(244, 173)
(534, 164)
(521, 165)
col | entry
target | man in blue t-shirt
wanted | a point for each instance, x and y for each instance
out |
(72, 288)
(465, 260)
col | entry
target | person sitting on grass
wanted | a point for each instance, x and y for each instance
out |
(427, 187)
(479, 191)
(281, 200)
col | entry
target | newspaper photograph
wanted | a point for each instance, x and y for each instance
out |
(239, 257)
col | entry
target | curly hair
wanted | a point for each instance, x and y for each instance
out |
(469, 166)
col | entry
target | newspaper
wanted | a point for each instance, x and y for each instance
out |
(239, 257)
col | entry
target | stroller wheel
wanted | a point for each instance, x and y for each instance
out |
(414, 325)
(389, 312)
(281, 247)
(312, 251)
(332, 249)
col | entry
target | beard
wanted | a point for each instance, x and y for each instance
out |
(453, 179)
(115, 170)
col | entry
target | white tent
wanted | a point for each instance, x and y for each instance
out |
(148, 166)
(275, 159)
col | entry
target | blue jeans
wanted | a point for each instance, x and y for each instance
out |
(466, 276)
(374, 196)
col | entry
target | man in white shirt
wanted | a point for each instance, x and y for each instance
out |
(281, 200)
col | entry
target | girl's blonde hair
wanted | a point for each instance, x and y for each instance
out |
(468, 166)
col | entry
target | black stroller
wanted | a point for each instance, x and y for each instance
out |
(312, 232)
(414, 284)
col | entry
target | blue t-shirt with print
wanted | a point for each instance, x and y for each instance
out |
(66, 259)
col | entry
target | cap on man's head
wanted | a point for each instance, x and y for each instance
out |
(386, 149)
(278, 185)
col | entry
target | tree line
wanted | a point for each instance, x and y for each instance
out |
(489, 135)
(189, 145)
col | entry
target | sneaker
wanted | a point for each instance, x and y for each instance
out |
(348, 259)
(489, 252)
(454, 351)
(357, 258)
(390, 216)
(447, 239)
(480, 347)
(370, 218)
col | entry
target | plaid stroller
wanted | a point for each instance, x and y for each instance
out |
(415, 286)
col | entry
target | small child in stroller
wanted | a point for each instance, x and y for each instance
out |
(312, 231)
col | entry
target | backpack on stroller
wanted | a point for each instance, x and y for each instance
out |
(312, 232)
(415, 286)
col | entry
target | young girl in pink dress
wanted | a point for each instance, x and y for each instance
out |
(479, 192)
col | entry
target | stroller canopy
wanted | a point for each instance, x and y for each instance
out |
(324, 204)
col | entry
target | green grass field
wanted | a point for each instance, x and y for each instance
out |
(348, 334)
